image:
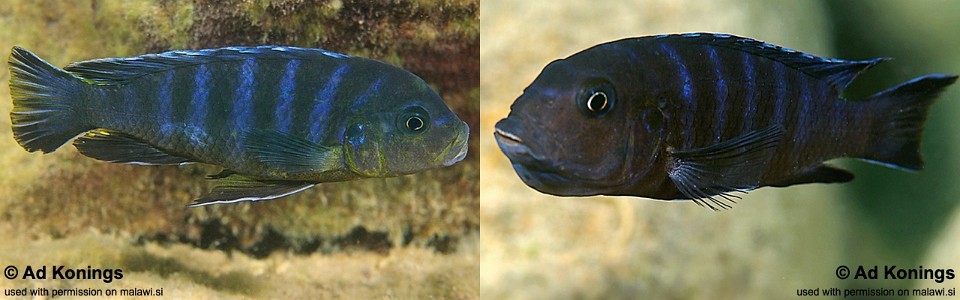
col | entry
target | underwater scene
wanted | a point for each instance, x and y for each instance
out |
(188, 180)
(393, 213)
(889, 233)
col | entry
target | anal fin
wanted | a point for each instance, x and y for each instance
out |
(707, 175)
(234, 188)
(118, 147)
(820, 174)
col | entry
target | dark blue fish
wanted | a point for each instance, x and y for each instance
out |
(700, 115)
(278, 119)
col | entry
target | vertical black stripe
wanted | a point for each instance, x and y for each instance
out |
(310, 78)
(266, 87)
(798, 124)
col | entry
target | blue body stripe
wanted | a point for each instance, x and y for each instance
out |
(781, 80)
(324, 103)
(805, 105)
(243, 101)
(164, 113)
(721, 93)
(681, 70)
(284, 111)
(689, 105)
(201, 92)
(362, 99)
(751, 84)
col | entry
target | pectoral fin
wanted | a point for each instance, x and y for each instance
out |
(234, 188)
(290, 153)
(735, 165)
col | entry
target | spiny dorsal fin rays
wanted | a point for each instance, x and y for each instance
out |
(110, 71)
(838, 73)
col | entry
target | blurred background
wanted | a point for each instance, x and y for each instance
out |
(775, 240)
(410, 237)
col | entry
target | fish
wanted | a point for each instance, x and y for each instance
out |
(705, 117)
(277, 119)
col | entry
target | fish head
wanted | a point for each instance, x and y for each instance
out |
(571, 132)
(411, 132)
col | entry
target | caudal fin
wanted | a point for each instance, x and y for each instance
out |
(45, 101)
(904, 108)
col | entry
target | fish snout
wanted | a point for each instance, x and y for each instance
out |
(457, 149)
(507, 134)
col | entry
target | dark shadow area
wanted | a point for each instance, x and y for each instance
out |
(215, 235)
(234, 282)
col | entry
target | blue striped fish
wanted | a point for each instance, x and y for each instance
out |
(277, 119)
(701, 115)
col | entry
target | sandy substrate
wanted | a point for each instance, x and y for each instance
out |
(185, 272)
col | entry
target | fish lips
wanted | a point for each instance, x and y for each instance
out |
(457, 149)
(535, 170)
(506, 133)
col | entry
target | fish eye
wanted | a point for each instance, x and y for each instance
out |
(414, 123)
(597, 102)
(413, 120)
(597, 98)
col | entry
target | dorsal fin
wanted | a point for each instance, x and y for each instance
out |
(837, 72)
(110, 71)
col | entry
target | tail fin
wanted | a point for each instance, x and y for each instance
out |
(898, 134)
(45, 102)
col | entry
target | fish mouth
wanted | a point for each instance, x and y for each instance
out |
(506, 137)
(511, 144)
(537, 171)
(457, 149)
